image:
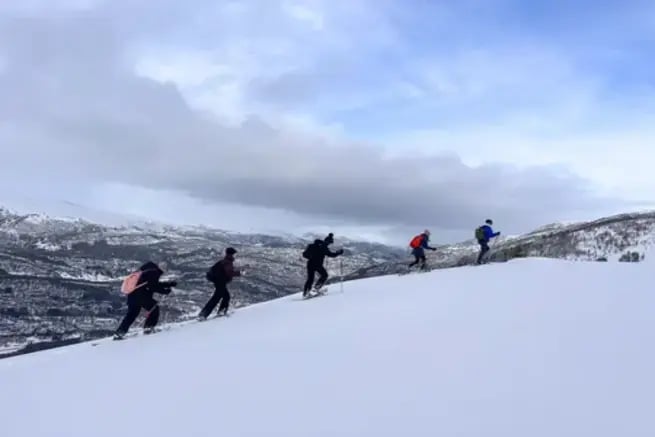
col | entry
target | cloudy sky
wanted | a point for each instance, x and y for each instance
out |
(373, 118)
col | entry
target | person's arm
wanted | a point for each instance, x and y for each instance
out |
(230, 271)
(489, 233)
(425, 244)
(164, 287)
(331, 254)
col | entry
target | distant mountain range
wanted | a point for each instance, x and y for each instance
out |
(60, 278)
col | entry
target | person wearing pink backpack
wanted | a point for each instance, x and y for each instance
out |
(140, 287)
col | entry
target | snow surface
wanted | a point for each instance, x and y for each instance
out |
(529, 348)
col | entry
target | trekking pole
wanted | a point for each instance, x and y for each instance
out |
(161, 310)
(341, 273)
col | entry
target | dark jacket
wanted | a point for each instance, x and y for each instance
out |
(223, 271)
(151, 274)
(317, 252)
(425, 242)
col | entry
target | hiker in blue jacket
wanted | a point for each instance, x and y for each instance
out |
(483, 234)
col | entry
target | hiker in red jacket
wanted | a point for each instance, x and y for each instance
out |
(220, 275)
(141, 296)
(418, 245)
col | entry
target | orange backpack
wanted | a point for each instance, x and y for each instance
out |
(416, 241)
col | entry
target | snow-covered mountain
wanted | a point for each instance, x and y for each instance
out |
(59, 277)
(562, 352)
(622, 237)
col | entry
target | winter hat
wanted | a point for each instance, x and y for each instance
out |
(489, 222)
(230, 251)
(427, 232)
(329, 239)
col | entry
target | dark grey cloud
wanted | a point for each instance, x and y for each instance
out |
(72, 108)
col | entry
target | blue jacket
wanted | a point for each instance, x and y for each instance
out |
(424, 242)
(489, 233)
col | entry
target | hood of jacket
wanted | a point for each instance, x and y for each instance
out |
(152, 268)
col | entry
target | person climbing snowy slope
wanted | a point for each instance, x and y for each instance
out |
(483, 234)
(140, 287)
(418, 244)
(220, 274)
(315, 254)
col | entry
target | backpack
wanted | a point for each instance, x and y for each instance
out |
(211, 274)
(479, 233)
(131, 282)
(309, 251)
(416, 241)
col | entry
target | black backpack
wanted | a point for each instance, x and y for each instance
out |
(310, 251)
(212, 274)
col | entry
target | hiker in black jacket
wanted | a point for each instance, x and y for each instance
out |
(220, 275)
(315, 254)
(142, 297)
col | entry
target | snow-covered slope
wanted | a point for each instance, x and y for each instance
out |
(532, 347)
(622, 237)
(60, 277)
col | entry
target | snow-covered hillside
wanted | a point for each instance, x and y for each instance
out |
(531, 347)
(622, 237)
(60, 277)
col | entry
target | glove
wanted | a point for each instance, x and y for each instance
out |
(340, 252)
(434, 249)
(172, 284)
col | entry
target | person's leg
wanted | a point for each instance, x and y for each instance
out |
(225, 300)
(416, 259)
(484, 248)
(310, 279)
(211, 303)
(133, 310)
(152, 306)
(323, 276)
(419, 254)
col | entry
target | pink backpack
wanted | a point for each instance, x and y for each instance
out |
(131, 283)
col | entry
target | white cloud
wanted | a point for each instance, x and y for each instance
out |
(305, 13)
(101, 98)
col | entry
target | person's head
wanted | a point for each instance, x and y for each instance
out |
(329, 239)
(153, 269)
(230, 252)
(489, 222)
(427, 232)
(151, 265)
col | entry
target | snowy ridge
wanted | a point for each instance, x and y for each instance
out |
(622, 237)
(60, 278)
(453, 352)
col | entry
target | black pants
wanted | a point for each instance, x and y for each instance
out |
(312, 269)
(419, 256)
(220, 295)
(135, 302)
(484, 248)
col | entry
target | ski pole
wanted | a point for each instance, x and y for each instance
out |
(341, 273)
